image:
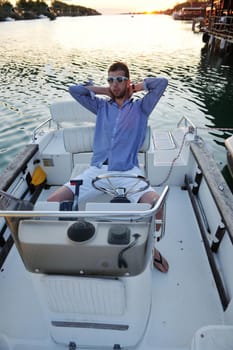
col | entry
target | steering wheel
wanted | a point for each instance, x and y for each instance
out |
(114, 191)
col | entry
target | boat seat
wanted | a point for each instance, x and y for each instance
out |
(70, 111)
(214, 337)
(79, 142)
(86, 295)
(95, 312)
(80, 139)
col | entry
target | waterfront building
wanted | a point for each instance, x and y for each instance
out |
(218, 32)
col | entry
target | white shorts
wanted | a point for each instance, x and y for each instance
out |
(87, 191)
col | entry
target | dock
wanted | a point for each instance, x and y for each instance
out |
(218, 30)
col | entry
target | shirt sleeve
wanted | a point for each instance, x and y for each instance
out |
(85, 97)
(155, 88)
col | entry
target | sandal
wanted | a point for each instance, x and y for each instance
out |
(161, 264)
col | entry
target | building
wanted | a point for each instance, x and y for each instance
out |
(218, 33)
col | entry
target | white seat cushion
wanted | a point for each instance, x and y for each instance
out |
(93, 296)
(80, 139)
(70, 111)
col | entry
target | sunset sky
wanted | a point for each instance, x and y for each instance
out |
(118, 6)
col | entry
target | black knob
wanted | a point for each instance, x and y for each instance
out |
(81, 231)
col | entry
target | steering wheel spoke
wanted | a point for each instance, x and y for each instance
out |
(111, 186)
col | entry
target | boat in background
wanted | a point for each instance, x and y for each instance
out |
(83, 278)
(229, 147)
(189, 13)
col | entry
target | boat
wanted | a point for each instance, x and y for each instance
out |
(83, 278)
(229, 147)
(189, 13)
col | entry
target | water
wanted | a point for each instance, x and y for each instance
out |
(39, 59)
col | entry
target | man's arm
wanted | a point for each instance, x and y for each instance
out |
(104, 90)
(99, 90)
(85, 96)
(155, 88)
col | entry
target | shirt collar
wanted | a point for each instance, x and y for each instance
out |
(126, 101)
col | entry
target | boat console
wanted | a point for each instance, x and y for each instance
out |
(87, 246)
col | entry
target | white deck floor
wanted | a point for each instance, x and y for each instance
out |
(182, 305)
(184, 299)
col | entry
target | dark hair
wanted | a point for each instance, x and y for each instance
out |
(119, 66)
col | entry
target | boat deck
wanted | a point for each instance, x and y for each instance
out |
(180, 305)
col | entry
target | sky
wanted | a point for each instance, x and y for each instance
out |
(119, 6)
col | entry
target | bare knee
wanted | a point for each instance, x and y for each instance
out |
(62, 194)
(149, 197)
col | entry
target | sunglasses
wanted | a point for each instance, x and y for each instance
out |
(117, 79)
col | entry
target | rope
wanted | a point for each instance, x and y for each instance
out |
(174, 160)
(181, 147)
(211, 129)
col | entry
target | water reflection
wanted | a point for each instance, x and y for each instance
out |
(217, 89)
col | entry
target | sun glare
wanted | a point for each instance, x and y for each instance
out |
(148, 9)
(148, 12)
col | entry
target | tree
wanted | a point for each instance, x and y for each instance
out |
(6, 9)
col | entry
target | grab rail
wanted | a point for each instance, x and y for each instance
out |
(34, 133)
(188, 123)
(113, 215)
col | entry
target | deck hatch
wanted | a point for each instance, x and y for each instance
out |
(163, 140)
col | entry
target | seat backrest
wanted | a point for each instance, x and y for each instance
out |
(70, 111)
(146, 143)
(80, 139)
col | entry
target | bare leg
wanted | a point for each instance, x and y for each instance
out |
(159, 261)
(151, 197)
(63, 193)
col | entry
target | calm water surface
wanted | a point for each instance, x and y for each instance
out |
(39, 59)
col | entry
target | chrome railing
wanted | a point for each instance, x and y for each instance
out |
(39, 127)
(188, 124)
(129, 215)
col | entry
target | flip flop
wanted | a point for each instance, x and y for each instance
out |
(161, 264)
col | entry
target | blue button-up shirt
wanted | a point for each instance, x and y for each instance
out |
(120, 131)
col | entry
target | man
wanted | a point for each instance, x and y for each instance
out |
(120, 130)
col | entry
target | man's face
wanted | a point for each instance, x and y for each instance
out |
(118, 83)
